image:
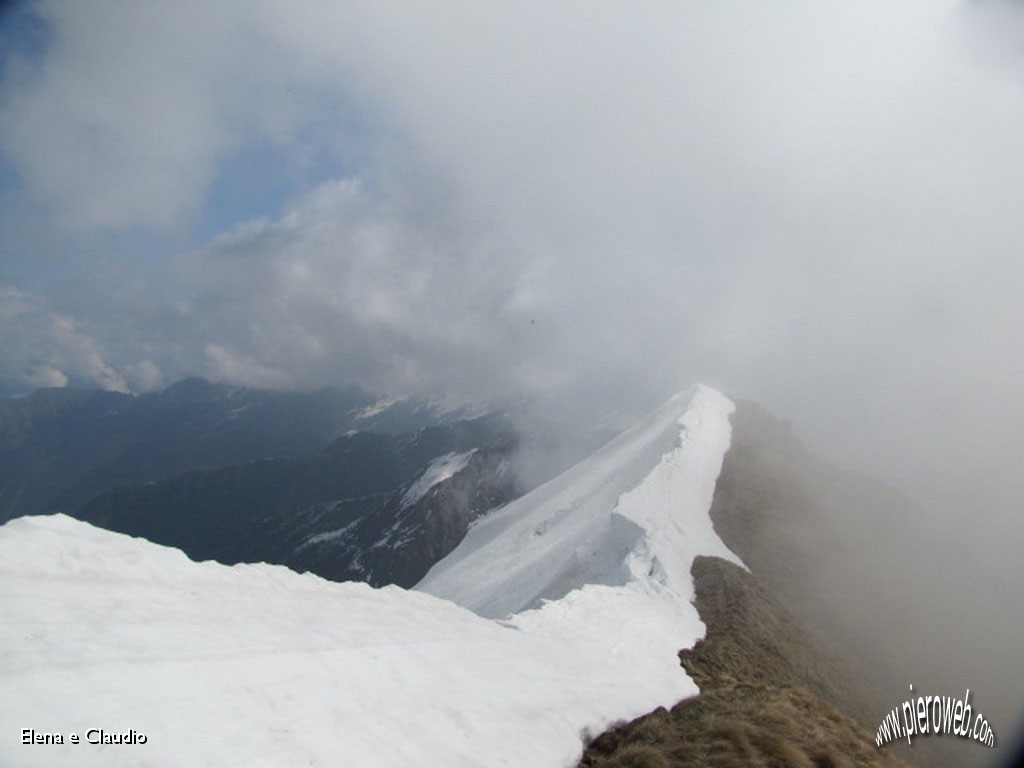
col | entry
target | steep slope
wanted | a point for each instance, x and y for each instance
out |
(852, 557)
(632, 512)
(773, 692)
(61, 447)
(805, 653)
(256, 664)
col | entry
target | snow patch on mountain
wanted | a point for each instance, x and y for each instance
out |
(326, 536)
(439, 470)
(377, 408)
(256, 664)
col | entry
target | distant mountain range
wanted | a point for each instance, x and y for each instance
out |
(320, 481)
(61, 447)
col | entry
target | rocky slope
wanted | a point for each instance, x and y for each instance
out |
(806, 653)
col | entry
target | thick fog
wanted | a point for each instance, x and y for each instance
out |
(814, 205)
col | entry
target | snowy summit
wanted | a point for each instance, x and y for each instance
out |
(557, 615)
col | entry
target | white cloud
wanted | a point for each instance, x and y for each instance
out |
(40, 348)
(347, 286)
(127, 121)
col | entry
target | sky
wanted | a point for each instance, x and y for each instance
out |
(815, 205)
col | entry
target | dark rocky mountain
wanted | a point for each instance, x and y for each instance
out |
(334, 481)
(370, 507)
(61, 447)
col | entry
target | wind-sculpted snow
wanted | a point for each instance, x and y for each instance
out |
(635, 511)
(258, 665)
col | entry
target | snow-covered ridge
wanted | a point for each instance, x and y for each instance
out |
(257, 665)
(635, 511)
